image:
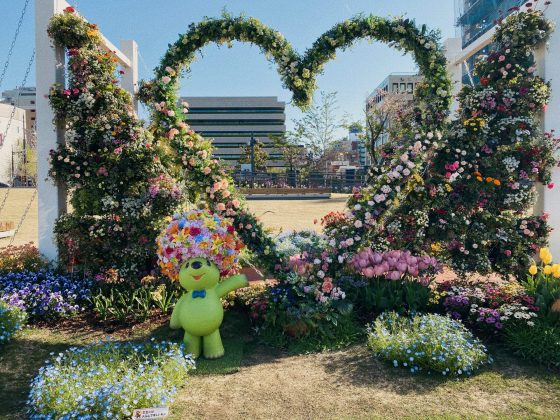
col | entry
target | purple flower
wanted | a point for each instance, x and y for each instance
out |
(44, 294)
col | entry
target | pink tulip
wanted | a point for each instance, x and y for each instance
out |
(369, 272)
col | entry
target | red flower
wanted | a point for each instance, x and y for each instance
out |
(70, 9)
(484, 81)
(194, 231)
(121, 71)
(230, 229)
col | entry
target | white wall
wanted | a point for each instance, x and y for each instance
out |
(13, 140)
(548, 61)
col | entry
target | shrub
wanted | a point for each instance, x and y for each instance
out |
(433, 343)
(298, 242)
(45, 295)
(21, 258)
(304, 316)
(108, 380)
(12, 319)
(540, 343)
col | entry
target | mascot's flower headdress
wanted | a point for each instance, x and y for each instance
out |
(197, 233)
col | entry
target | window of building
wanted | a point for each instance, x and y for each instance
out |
(410, 87)
(395, 87)
(403, 87)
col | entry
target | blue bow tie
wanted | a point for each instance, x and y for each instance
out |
(198, 294)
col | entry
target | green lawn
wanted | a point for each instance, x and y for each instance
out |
(255, 381)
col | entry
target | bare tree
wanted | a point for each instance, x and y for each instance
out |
(292, 149)
(390, 115)
(319, 124)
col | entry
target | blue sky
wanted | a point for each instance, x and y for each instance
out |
(242, 70)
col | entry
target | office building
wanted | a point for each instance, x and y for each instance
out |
(395, 83)
(12, 140)
(23, 98)
(231, 122)
(476, 21)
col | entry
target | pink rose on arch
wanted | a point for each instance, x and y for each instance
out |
(327, 285)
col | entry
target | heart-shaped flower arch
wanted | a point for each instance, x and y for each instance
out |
(206, 179)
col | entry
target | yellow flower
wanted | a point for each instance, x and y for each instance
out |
(556, 273)
(533, 270)
(547, 269)
(545, 255)
(436, 247)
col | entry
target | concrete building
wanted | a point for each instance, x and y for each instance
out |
(23, 98)
(12, 138)
(476, 21)
(231, 121)
(402, 83)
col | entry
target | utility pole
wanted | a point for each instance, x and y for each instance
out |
(252, 145)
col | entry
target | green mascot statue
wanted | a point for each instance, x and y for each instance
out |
(199, 248)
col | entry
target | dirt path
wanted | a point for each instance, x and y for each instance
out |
(352, 384)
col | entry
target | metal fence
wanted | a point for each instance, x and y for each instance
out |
(336, 182)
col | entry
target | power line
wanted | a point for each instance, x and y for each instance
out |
(11, 49)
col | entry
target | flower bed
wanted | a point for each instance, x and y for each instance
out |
(430, 343)
(45, 295)
(108, 380)
(12, 319)
(486, 307)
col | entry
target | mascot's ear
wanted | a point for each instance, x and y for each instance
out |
(208, 263)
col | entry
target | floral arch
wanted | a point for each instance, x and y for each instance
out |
(205, 175)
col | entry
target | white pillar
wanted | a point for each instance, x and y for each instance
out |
(130, 76)
(50, 67)
(548, 61)
(454, 68)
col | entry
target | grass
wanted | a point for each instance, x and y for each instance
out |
(255, 381)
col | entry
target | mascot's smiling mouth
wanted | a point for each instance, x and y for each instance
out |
(197, 278)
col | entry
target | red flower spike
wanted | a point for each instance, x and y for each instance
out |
(70, 9)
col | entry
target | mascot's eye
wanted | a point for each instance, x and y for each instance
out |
(208, 263)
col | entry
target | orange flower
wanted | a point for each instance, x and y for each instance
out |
(497, 182)
(489, 179)
(479, 178)
(477, 173)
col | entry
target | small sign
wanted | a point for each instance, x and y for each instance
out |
(150, 413)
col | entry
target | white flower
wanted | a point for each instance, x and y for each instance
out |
(358, 224)
(166, 79)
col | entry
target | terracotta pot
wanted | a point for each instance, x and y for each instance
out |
(555, 306)
(296, 329)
